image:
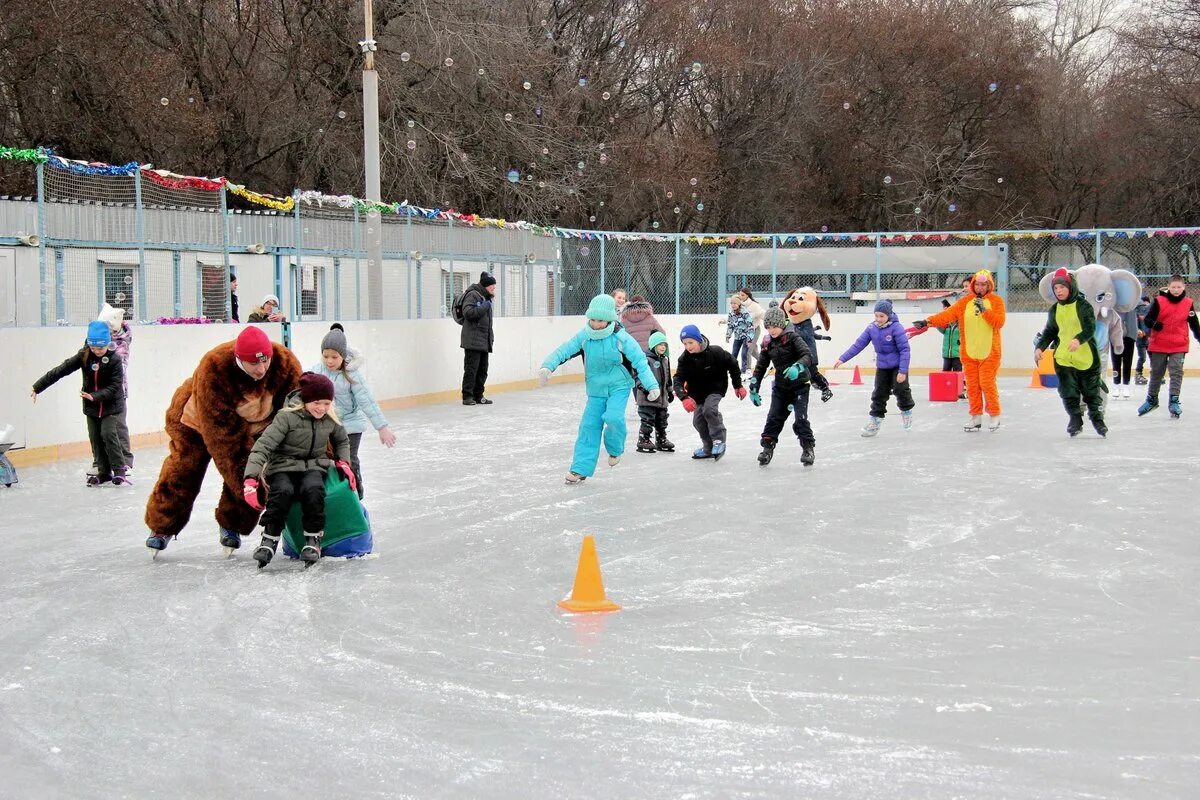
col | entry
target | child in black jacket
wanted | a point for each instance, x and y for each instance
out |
(701, 380)
(784, 348)
(103, 401)
(654, 413)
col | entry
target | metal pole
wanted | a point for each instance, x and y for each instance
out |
(602, 257)
(141, 242)
(678, 273)
(774, 261)
(176, 280)
(408, 276)
(1099, 246)
(371, 165)
(878, 266)
(297, 272)
(225, 251)
(356, 243)
(41, 231)
(450, 274)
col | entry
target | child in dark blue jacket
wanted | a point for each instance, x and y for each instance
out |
(784, 347)
(891, 366)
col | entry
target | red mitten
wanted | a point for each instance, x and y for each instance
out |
(689, 405)
(348, 471)
(740, 392)
(250, 493)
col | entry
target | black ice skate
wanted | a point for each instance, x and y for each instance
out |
(311, 552)
(808, 455)
(1100, 427)
(266, 550)
(1074, 424)
(768, 452)
(230, 541)
(158, 542)
(644, 445)
(664, 444)
(1174, 407)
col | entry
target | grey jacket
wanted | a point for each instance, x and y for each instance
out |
(296, 442)
(477, 320)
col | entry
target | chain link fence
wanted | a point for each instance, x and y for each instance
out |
(169, 251)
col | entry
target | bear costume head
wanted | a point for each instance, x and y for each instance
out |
(803, 304)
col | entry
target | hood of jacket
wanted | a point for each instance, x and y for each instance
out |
(636, 311)
(1170, 297)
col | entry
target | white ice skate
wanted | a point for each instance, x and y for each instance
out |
(974, 423)
(994, 423)
(614, 460)
(1125, 392)
(872, 427)
(906, 419)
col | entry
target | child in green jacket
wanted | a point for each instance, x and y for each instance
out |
(1070, 329)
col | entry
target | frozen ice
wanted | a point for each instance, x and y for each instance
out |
(926, 614)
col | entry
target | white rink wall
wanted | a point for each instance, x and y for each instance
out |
(405, 359)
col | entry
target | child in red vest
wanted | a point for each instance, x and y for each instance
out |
(1168, 320)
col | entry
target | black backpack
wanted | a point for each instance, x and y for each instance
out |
(456, 310)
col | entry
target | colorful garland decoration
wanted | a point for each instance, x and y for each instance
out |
(169, 180)
(38, 155)
(277, 203)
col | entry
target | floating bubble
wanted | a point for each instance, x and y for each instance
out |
(654, 224)
(887, 179)
(999, 180)
(513, 176)
(979, 223)
(676, 209)
(824, 229)
(320, 130)
(602, 204)
(693, 181)
(1183, 248)
(621, 44)
(592, 218)
(119, 297)
(992, 87)
(481, 72)
(953, 207)
(845, 106)
(449, 62)
(529, 179)
(541, 184)
(590, 19)
(580, 165)
(508, 118)
(699, 206)
(527, 86)
(917, 210)
(606, 96)
(341, 115)
(412, 123)
(129, 280)
(585, 251)
(833, 263)
(545, 151)
(694, 195)
(583, 81)
(191, 99)
(405, 56)
(696, 67)
(544, 23)
(604, 158)
(164, 101)
(708, 108)
(411, 145)
(601, 147)
(537, 112)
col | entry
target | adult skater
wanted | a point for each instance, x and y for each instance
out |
(477, 338)
(217, 414)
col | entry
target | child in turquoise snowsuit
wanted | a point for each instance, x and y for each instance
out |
(609, 353)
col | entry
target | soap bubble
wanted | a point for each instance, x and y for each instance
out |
(513, 176)
(694, 195)
(129, 280)
(412, 123)
(654, 224)
(699, 206)
(411, 145)
(696, 67)
(320, 130)
(545, 151)
(119, 297)
(481, 72)
(606, 96)
(405, 56)
(887, 179)
(583, 81)
(580, 165)
(191, 99)
(449, 62)
(541, 184)
(604, 158)
(917, 210)
(708, 108)
(508, 117)
(585, 251)
(846, 106)
(833, 263)
(621, 44)
(592, 218)
(341, 115)
(164, 101)
(529, 179)
(590, 19)
(953, 207)
(602, 204)
(999, 180)
(1183, 248)
(693, 181)
(992, 87)
(670, 195)
(676, 209)
(824, 229)
(527, 86)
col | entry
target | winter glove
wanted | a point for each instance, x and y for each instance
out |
(543, 376)
(794, 372)
(653, 395)
(1158, 326)
(740, 392)
(250, 493)
(689, 405)
(920, 324)
(348, 471)
(755, 398)
(753, 383)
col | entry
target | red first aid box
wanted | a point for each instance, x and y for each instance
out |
(945, 387)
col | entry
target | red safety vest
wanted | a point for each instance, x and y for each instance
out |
(1173, 338)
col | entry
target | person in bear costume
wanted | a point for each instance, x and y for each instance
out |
(217, 414)
(801, 305)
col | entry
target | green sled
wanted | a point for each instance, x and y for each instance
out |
(347, 530)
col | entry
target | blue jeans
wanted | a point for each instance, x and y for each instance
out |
(603, 417)
(742, 346)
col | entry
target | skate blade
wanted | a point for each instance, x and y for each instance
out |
(228, 551)
(154, 555)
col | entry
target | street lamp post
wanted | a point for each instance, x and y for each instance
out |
(374, 237)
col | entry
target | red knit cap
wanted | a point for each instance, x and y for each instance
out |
(253, 346)
(315, 387)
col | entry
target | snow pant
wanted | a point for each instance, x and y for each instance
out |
(654, 420)
(951, 364)
(1123, 363)
(475, 372)
(981, 384)
(1141, 346)
(603, 417)
(1165, 362)
(283, 487)
(106, 445)
(170, 505)
(708, 422)
(741, 346)
(1075, 385)
(885, 386)
(355, 441)
(123, 435)
(784, 402)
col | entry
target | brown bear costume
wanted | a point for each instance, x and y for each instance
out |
(217, 414)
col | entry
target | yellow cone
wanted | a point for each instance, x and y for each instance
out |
(588, 592)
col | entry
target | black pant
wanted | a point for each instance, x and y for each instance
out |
(283, 488)
(784, 402)
(475, 369)
(951, 364)
(103, 433)
(1074, 383)
(887, 385)
(654, 419)
(1123, 364)
(1141, 346)
(355, 441)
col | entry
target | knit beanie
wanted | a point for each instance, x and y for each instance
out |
(883, 307)
(486, 280)
(657, 338)
(315, 387)
(335, 341)
(113, 316)
(1061, 278)
(775, 318)
(99, 334)
(603, 307)
(253, 346)
(690, 332)
(270, 299)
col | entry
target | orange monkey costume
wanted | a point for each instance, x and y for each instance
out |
(979, 344)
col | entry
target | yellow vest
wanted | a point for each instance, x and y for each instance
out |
(1069, 327)
(977, 334)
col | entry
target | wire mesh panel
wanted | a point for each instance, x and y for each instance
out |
(90, 208)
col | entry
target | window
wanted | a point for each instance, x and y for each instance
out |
(453, 284)
(120, 286)
(311, 281)
(214, 292)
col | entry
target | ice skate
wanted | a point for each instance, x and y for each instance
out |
(826, 394)
(614, 460)
(1140, 379)
(768, 452)
(1174, 407)
(644, 445)
(664, 444)
(974, 423)
(574, 479)
(1125, 393)
(872, 427)
(1148, 406)
(808, 455)
(994, 423)
(1074, 425)
(718, 450)
(158, 542)
(701, 452)
(906, 419)
(311, 551)
(230, 541)
(266, 549)
(121, 480)
(1099, 426)
(98, 480)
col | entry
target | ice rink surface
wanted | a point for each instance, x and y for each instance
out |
(929, 614)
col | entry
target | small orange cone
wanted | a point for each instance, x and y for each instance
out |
(1036, 381)
(857, 379)
(588, 592)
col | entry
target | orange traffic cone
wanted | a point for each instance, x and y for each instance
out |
(1036, 381)
(857, 379)
(588, 592)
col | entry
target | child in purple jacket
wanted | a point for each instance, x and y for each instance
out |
(891, 366)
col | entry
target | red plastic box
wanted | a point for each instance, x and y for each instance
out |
(945, 387)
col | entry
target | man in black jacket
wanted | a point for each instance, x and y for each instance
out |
(477, 338)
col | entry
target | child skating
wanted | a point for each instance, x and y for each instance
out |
(103, 395)
(740, 331)
(891, 366)
(1168, 319)
(606, 350)
(654, 413)
(786, 349)
(291, 459)
(1070, 330)
(702, 378)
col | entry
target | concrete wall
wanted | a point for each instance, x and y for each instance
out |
(405, 359)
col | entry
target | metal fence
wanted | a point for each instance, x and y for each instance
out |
(167, 254)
